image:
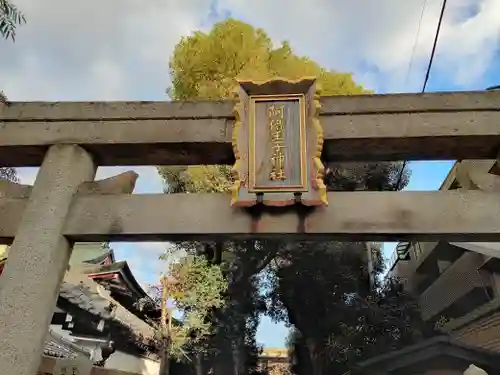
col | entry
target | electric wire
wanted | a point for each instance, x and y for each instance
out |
(415, 43)
(426, 79)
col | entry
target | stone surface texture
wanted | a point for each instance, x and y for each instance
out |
(447, 126)
(38, 259)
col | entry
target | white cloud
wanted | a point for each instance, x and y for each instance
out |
(379, 35)
(112, 50)
(27, 175)
(119, 50)
(95, 50)
(143, 259)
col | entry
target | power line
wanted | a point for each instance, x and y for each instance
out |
(436, 38)
(410, 65)
(426, 79)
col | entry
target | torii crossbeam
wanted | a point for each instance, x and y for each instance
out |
(70, 140)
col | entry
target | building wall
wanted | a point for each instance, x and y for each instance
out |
(438, 274)
(275, 361)
(83, 251)
(441, 364)
(127, 362)
(455, 282)
(48, 364)
(484, 332)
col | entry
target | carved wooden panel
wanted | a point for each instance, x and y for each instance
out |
(277, 142)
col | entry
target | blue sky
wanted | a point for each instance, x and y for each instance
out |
(124, 56)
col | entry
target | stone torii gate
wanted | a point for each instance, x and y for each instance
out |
(70, 140)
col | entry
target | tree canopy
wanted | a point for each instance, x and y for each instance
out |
(7, 173)
(322, 289)
(198, 289)
(10, 18)
(205, 66)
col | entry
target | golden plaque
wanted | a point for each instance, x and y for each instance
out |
(277, 142)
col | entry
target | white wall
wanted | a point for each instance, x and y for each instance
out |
(127, 362)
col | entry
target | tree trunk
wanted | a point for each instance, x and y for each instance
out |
(199, 364)
(236, 357)
(164, 361)
(223, 361)
(222, 365)
(239, 350)
(316, 357)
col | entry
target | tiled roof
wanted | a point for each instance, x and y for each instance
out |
(86, 298)
(439, 346)
(83, 292)
(53, 349)
(56, 346)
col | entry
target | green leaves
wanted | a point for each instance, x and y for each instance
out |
(319, 287)
(205, 65)
(325, 293)
(199, 288)
(8, 173)
(10, 17)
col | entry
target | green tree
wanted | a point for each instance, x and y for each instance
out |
(232, 346)
(10, 18)
(196, 288)
(10, 174)
(204, 66)
(323, 290)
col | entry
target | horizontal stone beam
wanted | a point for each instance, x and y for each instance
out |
(331, 105)
(463, 125)
(383, 216)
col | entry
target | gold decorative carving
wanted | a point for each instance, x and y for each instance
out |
(277, 129)
(262, 186)
(277, 142)
(239, 179)
(276, 81)
(318, 164)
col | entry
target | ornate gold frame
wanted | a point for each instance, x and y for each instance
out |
(320, 140)
(316, 174)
